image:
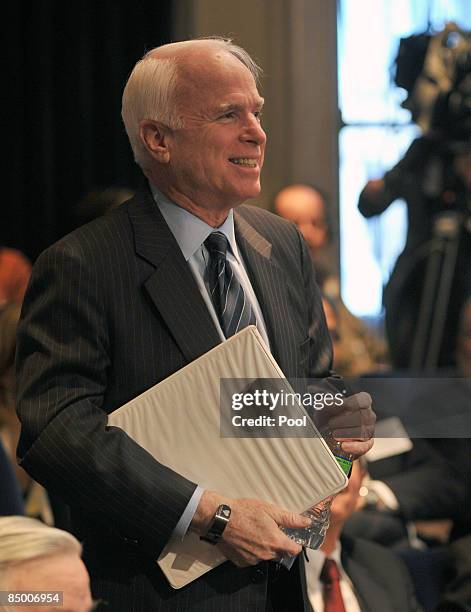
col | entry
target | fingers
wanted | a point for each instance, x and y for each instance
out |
(355, 420)
(357, 448)
(253, 533)
(285, 546)
(250, 560)
(349, 423)
(292, 520)
(358, 401)
(288, 548)
(280, 546)
(238, 558)
(355, 429)
(359, 405)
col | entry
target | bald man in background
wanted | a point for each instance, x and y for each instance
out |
(307, 208)
(357, 350)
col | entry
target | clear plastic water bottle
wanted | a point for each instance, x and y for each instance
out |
(314, 535)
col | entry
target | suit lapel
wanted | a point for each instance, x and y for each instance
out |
(171, 287)
(270, 284)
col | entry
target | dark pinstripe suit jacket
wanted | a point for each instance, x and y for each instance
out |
(111, 310)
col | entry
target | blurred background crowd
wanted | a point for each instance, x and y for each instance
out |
(384, 205)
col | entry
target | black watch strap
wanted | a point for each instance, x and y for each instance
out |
(218, 524)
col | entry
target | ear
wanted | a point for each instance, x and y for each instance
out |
(154, 136)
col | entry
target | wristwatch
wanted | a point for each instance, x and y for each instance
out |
(218, 524)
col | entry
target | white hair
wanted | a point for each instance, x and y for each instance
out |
(23, 539)
(151, 92)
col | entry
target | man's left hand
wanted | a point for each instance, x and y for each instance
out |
(352, 423)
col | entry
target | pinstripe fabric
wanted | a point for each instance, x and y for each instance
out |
(111, 310)
(280, 270)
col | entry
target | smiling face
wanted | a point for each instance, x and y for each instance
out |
(213, 162)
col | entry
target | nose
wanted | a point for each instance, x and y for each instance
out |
(253, 131)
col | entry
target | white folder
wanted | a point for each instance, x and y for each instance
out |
(178, 423)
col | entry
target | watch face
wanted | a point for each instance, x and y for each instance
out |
(224, 512)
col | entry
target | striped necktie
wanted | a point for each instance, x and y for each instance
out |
(233, 308)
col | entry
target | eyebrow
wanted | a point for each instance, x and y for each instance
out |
(223, 108)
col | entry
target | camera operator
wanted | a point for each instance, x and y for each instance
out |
(434, 178)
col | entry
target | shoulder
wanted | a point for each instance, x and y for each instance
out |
(379, 575)
(263, 220)
(95, 239)
(383, 565)
(364, 550)
(282, 235)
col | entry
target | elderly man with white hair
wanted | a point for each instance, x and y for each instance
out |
(41, 562)
(127, 300)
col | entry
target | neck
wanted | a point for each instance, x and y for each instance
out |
(331, 539)
(213, 216)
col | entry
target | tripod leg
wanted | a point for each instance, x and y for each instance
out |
(441, 304)
(425, 314)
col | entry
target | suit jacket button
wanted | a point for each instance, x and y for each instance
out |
(258, 575)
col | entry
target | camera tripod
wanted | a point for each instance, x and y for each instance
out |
(436, 292)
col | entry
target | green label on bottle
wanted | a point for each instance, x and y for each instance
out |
(345, 464)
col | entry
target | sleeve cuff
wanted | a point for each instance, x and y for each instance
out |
(183, 524)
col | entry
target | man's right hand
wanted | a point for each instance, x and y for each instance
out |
(253, 533)
(374, 189)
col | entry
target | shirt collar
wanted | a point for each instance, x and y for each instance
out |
(189, 230)
(317, 558)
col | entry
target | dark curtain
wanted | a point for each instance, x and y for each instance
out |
(67, 63)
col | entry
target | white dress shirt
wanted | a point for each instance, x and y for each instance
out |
(190, 232)
(314, 585)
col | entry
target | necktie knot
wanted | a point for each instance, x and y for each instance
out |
(217, 244)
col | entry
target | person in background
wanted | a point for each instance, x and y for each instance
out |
(20, 494)
(417, 485)
(98, 202)
(333, 325)
(9, 423)
(306, 207)
(15, 271)
(457, 594)
(463, 344)
(11, 500)
(434, 179)
(35, 557)
(358, 350)
(352, 574)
